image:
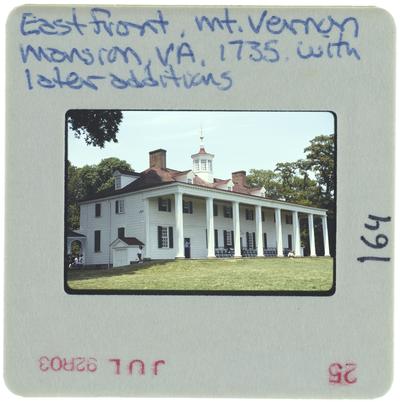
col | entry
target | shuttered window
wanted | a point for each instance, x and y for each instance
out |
(265, 241)
(216, 238)
(187, 207)
(97, 210)
(249, 214)
(227, 211)
(250, 239)
(165, 237)
(119, 207)
(228, 238)
(215, 207)
(97, 241)
(164, 204)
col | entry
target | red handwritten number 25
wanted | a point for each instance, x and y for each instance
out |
(342, 374)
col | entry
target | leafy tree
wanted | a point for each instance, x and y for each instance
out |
(266, 178)
(320, 155)
(88, 180)
(96, 126)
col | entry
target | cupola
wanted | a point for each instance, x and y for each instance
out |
(203, 162)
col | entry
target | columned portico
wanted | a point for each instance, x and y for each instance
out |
(259, 238)
(296, 233)
(210, 228)
(278, 229)
(325, 235)
(180, 253)
(311, 235)
(236, 228)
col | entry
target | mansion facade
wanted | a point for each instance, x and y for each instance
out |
(168, 214)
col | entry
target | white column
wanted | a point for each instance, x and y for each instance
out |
(311, 235)
(236, 228)
(210, 227)
(259, 236)
(179, 246)
(278, 229)
(146, 212)
(325, 234)
(296, 233)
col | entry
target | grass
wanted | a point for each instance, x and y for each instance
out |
(269, 274)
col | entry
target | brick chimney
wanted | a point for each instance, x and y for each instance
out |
(239, 178)
(158, 159)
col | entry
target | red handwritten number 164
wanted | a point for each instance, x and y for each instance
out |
(342, 373)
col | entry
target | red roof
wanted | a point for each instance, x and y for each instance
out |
(131, 241)
(157, 176)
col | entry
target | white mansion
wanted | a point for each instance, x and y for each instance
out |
(177, 214)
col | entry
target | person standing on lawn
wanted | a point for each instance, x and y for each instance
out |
(139, 254)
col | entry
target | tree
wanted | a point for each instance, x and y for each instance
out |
(96, 126)
(320, 155)
(266, 179)
(88, 180)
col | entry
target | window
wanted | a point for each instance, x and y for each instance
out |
(190, 181)
(121, 233)
(187, 207)
(289, 219)
(164, 204)
(97, 210)
(250, 239)
(227, 211)
(119, 207)
(215, 207)
(204, 164)
(229, 188)
(265, 241)
(97, 241)
(228, 238)
(249, 214)
(263, 216)
(196, 165)
(210, 165)
(117, 182)
(165, 237)
(216, 238)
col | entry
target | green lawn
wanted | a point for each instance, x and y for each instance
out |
(269, 274)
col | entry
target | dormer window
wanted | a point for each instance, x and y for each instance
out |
(117, 182)
(190, 181)
(229, 188)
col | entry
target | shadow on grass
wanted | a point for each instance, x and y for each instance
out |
(84, 273)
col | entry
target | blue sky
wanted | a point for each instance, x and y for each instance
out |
(239, 140)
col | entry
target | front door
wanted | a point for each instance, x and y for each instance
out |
(289, 238)
(187, 247)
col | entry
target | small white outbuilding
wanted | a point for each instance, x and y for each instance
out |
(125, 251)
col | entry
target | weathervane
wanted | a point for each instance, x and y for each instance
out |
(201, 136)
